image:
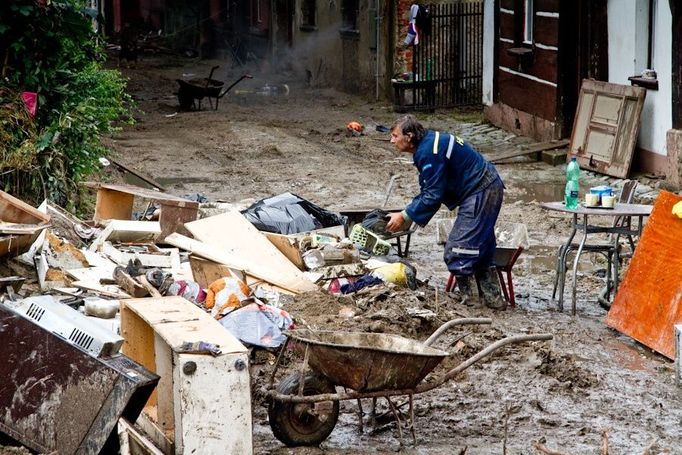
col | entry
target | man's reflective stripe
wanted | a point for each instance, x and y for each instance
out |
(451, 144)
(466, 251)
(435, 143)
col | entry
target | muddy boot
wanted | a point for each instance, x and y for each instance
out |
(489, 285)
(465, 289)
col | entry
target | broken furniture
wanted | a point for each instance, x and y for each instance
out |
(649, 300)
(56, 397)
(356, 216)
(20, 225)
(203, 402)
(304, 407)
(626, 211)
(115, 202)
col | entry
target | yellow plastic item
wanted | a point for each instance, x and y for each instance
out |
(677, 209)
(392, 273)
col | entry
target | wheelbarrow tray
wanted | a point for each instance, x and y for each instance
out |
(199, 88)
(368, 362)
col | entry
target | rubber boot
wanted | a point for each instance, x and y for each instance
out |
(465, 288)
(489, 285)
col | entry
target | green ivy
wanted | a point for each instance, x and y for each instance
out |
(49, 47)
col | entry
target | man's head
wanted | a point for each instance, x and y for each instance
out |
(406, 133)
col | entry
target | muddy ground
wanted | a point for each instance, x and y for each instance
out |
(588, 382)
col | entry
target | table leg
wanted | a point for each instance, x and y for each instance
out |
(561, 264)
(575, 264)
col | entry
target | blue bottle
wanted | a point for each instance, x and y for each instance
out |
(572, 184)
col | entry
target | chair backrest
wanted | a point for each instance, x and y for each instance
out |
(627, 193)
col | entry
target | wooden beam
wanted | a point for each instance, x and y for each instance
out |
(529, 149)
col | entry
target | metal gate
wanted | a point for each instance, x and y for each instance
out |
(447, 65)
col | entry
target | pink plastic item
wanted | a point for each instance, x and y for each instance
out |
(30, 99)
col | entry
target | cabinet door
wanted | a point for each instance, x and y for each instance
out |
(212, 399)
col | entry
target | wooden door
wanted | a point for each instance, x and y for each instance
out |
(606, 126)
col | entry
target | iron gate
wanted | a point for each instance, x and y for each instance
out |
(447, 65)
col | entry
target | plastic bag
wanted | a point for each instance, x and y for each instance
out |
(258, 325)
(289, 214)
(375, 221)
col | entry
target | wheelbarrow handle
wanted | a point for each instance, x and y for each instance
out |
(481, 354)
(453, 322)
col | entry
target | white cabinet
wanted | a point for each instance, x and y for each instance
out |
(202, 403)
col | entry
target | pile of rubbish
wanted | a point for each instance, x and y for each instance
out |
(242, 268)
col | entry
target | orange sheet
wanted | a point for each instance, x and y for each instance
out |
(649, 300)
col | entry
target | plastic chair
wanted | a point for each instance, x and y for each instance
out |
(610, 248)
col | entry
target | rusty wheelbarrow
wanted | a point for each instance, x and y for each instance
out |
(304, 408)
(195, 90)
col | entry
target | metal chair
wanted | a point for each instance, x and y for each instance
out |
(611, 248)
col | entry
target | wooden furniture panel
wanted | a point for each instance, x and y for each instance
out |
(649, 300)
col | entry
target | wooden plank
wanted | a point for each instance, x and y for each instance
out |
(288, 246)
(526, 149)
(649, 299)
(138, 344)
(128, 284)
(103, 290)
(177, 320)
(232, 234)
(206, 272)
(140, 176)
(113, 205)
(15, 210)
(127, 231)
(160, 260)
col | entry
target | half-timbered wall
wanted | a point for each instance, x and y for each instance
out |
(526, 73)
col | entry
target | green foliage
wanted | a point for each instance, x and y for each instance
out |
(49, 47)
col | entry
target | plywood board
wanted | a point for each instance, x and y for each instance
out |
(177, 320)
(233, 235)
(649, 300)
(606, 126)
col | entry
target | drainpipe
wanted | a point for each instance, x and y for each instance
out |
(377, 18)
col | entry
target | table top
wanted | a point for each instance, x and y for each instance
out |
(618, 210)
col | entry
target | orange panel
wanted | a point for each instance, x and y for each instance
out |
(649, 300)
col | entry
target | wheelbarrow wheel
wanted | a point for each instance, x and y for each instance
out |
(303, 424)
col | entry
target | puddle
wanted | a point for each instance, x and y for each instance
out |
(542, 191)
(628, 356)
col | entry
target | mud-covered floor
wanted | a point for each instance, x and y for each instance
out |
(588, 384)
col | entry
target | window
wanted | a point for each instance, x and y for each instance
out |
(528, 22)
(308, 8)
(349, 12)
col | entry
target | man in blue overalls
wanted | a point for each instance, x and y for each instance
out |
(453, 173)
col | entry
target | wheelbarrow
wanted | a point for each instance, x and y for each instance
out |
(193, 91)
(304, 408)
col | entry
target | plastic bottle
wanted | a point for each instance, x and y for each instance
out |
(572, 184)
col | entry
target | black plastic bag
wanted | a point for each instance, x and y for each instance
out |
(290, 214)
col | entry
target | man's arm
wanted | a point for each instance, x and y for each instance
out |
(433, 180)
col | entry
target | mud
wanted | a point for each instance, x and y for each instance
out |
(588, 383)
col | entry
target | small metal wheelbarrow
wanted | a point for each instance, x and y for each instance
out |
(196, 90)
(304, 408)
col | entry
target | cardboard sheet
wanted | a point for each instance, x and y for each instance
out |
(649, 300)
(235, 237)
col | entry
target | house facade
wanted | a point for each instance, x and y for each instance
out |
(538, 52)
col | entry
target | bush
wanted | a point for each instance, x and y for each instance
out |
(49, 47)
